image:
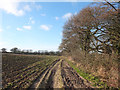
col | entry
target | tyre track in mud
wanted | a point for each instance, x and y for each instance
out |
(49, 79)
(60, 75)
(40, 81)
(71, 79)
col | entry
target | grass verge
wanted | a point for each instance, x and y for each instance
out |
(95, 81)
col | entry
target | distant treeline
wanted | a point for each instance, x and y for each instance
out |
(15, 50)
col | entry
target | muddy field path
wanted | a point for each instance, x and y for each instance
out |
(60, 75)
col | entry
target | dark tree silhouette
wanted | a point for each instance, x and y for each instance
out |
(4, 50)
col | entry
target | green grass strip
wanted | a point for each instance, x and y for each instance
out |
(95, 80)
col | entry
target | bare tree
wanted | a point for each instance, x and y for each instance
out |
(95, 28)
(4, 50)
(15, 50)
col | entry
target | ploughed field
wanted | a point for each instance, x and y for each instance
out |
(35, 71)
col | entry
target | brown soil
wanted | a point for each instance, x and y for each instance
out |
(71, 79)
(60, 75)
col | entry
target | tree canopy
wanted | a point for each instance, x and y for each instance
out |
(95, 28)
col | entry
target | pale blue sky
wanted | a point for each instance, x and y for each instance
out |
(35, 25)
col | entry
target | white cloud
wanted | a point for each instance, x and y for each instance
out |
(24, 27)
(27, 27)
(67, 15)
(56, 18)
(19, 29)
(45, 27)
(27, 8)
(11, 6)
(43, 14)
